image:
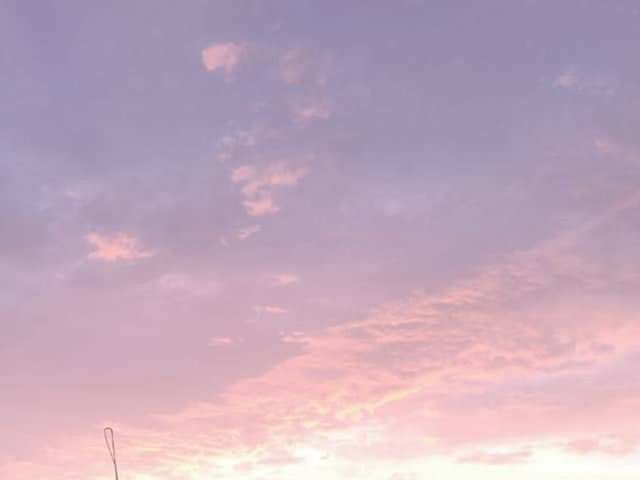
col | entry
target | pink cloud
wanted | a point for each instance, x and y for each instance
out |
(292, 67)
(182, 283)
(270, 309)
(284, 279)
(223, 56)
(258, 185)
(259, 205)
(608, 445)
(566, 79)
(220, 341)
(495, 359)
(298, 67)
(117, 247)
(243, 173)
(610, 148)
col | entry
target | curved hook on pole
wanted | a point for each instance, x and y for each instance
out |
(111, 445)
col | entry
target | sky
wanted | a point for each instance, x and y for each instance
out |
(366, 240)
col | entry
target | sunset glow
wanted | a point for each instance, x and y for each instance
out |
(320, 240)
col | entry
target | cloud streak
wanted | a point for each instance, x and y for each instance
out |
(258, 185)
(247, 232)
(312, 110)
(284, 279)
(116, 247)
(609, 147)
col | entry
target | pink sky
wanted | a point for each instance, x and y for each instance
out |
(320, 240)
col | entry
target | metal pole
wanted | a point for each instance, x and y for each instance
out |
(111, 445)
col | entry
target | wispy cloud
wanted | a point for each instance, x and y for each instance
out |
(583, 83)
(496, 357)
(497, 458)
(298, 66)
(232, 143)
(258, 185)
(608, 444)
(442, 291)
(221, 341)
(187, 284)
(270, 309)
(292, 67)
(446, 354)
(611, 148)
(283, 279)
(223, 57)
(247, 232)
(312, 110)
(243, 174)
(260, 204)
(116, 247)
(567, 79)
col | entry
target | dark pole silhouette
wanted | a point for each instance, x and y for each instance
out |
(111, 445)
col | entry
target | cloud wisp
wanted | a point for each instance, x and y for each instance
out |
(283, 279)
(609, 147)
(223, 57)
(569, 80)
(116, 247)
(246, 232)
(258, 185)
(312, 110)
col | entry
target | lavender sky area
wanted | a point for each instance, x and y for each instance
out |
(374, 240)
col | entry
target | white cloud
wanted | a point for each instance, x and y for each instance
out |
(117, 247)
(497, 458)
(223, 56)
